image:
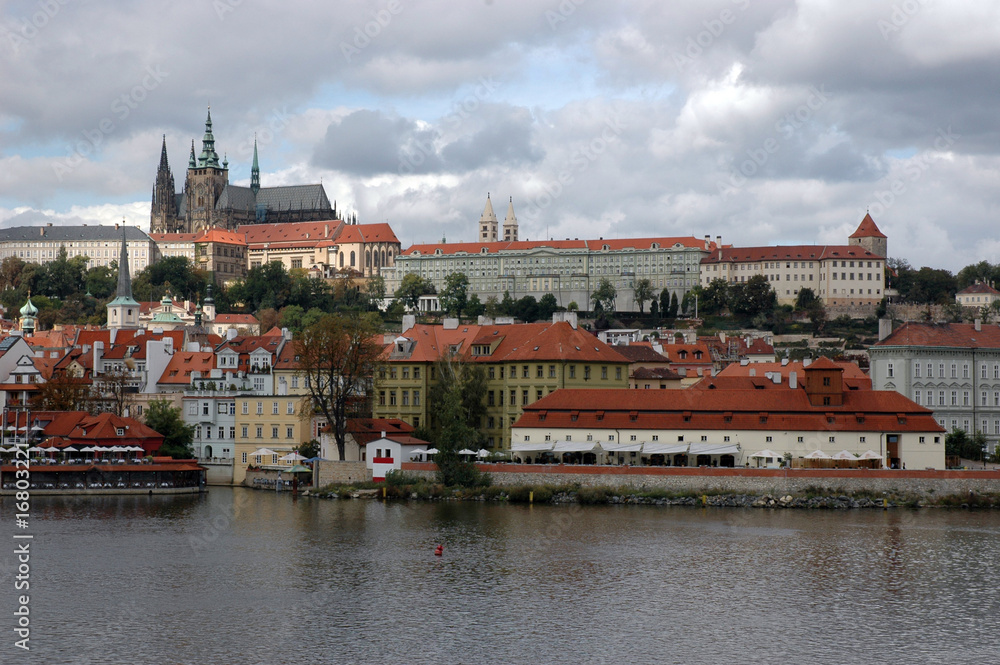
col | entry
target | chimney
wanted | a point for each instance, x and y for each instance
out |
(806, 362)
(409, 320)
(42, 231)
(230, 334)
(784, 362)
(884, 328)
(383, 434)
(793, 380)
(718, 241)
(753, 371)
(116, 226)
(979, 325)
(708, 241)
(450, 324)
(776, 378)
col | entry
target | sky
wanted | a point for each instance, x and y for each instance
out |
(763, 122)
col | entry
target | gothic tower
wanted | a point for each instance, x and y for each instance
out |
(869, 237)
(206, 179)
(255, 170)
(510, 223)
(163, 212)
(488, 223)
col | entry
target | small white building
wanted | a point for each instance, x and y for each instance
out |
(387, 453)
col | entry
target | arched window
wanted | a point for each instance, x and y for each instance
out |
(368, 259)
(375, 260)
(383, 257)
(341, 259)
(352, 259)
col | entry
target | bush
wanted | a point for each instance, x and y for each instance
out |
(593, 495)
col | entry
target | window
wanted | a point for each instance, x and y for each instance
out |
(244, 433)
(954, 398)
(965, 371)
(586, 372)
(289, 433)
(540, 371)
(524, 372)
(232, 432)
(260, 408)
(604, 371)
(888, 370)
(833, 439)
(381, 398)
(572, 371)
(768, 439)
(916, 370)
(416, 398)
(406, 398)
(222, 408)
(290, 408)
(618, 373)
(260, 431)
(392, 398)
(524, 397)
(246, 408)
(954, 371)
(295, 382)
(274, 431)
(274, 408)
(513, 398)
(192, 409)
(406, 373)
(801, 439)
(916, 396)
(244, 457)
(552, 371)
(120, 431)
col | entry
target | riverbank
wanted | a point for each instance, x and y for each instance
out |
(407, 487)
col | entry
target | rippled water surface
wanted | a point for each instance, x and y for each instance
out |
(240, 576)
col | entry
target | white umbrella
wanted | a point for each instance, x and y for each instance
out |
(260, 452)
(36, 449)
(483, 453)
(70, 449)
(431, 451)
(766, 453)
(419, 452)
(869, 454)
(817, 454)
(466, 451)
(292, 457)
(844, 454)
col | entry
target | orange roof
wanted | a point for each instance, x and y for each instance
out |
(219, 235)
(867, 229)
(686, 354)
(957, 335)
(366, 233)
(724, 409)
(178, 370)
(294, 233)
(851, 370)
(978, 287)
(237, 319)
(789, 253)
(517, 342)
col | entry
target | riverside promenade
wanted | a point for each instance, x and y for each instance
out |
(926, 483)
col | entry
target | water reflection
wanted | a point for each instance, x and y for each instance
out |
(245, 576)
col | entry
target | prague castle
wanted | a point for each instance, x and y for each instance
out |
(209, 199)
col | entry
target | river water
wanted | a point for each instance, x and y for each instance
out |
(243, 576)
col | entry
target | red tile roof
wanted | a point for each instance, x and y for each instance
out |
(358, 233)
(789, 253)
(182, 363)
(867, 229)
(289, 234)
(173, 237)
(978, 287)
(640, 353)
(236, 319)
(583, 245)
(957, 335)
(726, 410)
(221, 236)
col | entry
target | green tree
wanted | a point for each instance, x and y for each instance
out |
(959, 443)
(526, 309)
(674, 306)
(458, 408)
(174, 273)
(752, 297)
(715, 297)
(642, 292)
(100, 281)
(268, 286)
(547, 305)
(984, 271)
(375, 292)
(805, 299)
(454, 297)
(411, 288)
(291, 317)
(177, 436)
(506, 306)
(604, 295)
(10, 272)
(475, 308)
(309, 449)
(339, 355)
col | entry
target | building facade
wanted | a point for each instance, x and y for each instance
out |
(840, 275)
(951, 368)
(100, 244)
(571, 270)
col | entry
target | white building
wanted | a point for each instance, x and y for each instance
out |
(100, 244)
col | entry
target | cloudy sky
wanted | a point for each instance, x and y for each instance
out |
(765, 122)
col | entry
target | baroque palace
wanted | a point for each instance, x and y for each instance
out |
(209, 199)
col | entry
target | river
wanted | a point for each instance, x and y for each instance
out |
(242, 576)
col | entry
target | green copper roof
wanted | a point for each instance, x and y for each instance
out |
(208, 155)
(255, 171)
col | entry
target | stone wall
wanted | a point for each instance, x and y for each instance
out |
(328, 471)
(926, 483)
(218, 473)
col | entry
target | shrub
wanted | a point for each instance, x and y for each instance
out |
(593, 495)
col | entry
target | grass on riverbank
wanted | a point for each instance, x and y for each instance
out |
(403, 486)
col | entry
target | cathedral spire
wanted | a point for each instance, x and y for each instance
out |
(164, 166)
(488, 222)
(192, 164)
(255, 171)
(510, 223)
(208, 156)
(124, 278)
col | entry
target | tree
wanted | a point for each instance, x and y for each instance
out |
(715, 297)
(177, 436)
(454, 297)
(309, 449)
(339, 355)
(959, 443)
(174, 273)
(547, 305)
(604, 296)
(114, 392)
(752, 297)
(674, 306)
(411, 288)
(63, 393)
(62, 276)
(375, 292)
(100, 281)
(805, 299)
(11, 269)
(475, 308)
(458, 403)
(642, 291)
(526, 309)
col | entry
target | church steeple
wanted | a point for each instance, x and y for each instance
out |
(192, 163)
(163, 211)
(123, 311)
(510, 223)
(208, 155)
(488, 223)
(255, 170)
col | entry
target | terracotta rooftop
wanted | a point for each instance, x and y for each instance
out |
(867, 229)
(956, 335)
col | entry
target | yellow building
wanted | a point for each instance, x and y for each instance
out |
(522, 363)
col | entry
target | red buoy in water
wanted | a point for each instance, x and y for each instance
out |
(439, 550)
